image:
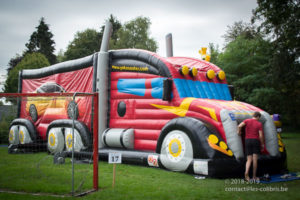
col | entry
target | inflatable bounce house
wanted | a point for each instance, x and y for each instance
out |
(171, 112)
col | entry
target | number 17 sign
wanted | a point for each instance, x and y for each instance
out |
(114, 157)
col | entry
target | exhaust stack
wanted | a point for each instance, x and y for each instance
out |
(169, 45)
(102, 74)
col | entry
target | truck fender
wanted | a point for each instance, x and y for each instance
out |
(197, 131)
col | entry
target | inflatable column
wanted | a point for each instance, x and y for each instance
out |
(102, 74)
(169, 45)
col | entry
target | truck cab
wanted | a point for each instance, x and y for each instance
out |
(178, 107)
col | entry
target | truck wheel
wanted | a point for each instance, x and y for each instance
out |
(176, 152)
(78, 144)
(82, 135)
(73, 110)
(33, 113)
(13, 137)
(55, 140)
(23, 131)
(24, 136)
(192, 136)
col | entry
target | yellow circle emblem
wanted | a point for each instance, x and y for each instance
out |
(194, 72)
(221, 75)
(223, 145)
(184, 70)
(210, 74)
(51, 139)
(175, 147)
(69, 141)
(213, 139)
(21, 137)
(281, 149)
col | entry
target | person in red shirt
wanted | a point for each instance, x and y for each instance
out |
(254, 142)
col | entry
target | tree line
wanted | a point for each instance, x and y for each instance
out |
(40, 48)
(260, 58)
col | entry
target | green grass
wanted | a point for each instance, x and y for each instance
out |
(292, 144)
(35, 173)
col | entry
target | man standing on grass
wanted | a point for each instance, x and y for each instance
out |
(254, 142)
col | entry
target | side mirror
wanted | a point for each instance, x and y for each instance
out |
(167, 89)
(231, 90)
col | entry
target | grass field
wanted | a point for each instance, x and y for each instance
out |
(35, 173)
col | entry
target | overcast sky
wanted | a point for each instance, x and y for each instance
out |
(193, 23)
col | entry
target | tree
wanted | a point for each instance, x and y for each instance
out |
(214, 52)
(89, 41)
(14, 61)
(30, 61)
(85, 43)
(60, 55)
(41, 41)
(240, 28)
(135, 34)
(281, 21)
(246, 62)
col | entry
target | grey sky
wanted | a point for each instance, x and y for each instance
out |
(193, 23)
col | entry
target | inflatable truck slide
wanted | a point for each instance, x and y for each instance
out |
(175, 113)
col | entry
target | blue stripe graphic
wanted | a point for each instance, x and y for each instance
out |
(132, 86)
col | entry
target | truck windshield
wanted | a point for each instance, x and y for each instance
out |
(201, 89)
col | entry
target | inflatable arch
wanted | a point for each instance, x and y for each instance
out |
(171, 112)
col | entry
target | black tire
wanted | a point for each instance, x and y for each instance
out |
(33, 113)
(73, 110)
